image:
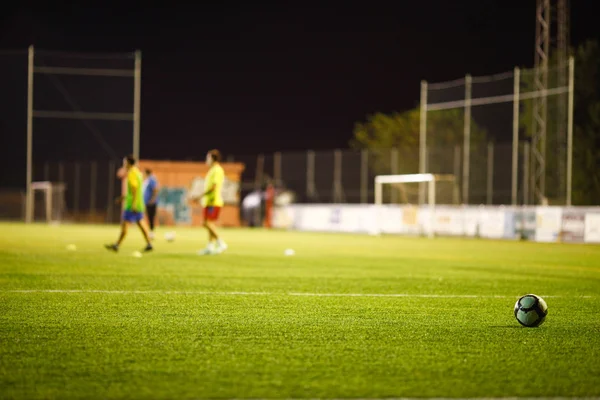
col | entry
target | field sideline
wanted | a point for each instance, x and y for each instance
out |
(347, 317)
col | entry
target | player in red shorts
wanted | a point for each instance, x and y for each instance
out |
(212, 201)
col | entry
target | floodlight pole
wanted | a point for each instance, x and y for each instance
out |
(137, 95)
(29, 192)
(423, 139)
(515, 143)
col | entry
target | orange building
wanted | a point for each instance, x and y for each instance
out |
(176, 178)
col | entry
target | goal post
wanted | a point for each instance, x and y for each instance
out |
(429, 180)
(53, 200)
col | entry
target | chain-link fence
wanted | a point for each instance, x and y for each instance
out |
(505, 138)
(512, 128)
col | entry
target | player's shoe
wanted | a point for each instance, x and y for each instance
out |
(151, 235)
(148, 248)
(206, 252)
(112, 247)
(221, 247)
(209, 250)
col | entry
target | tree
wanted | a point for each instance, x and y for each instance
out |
(382, 132)
(586, 126)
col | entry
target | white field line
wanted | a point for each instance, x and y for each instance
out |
(298, 294)
(444, 398)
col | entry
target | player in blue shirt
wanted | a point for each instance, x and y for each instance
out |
(150, 196)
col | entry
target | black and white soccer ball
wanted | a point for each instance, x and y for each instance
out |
(531, 310)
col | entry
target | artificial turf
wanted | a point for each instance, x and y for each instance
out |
(348, 316)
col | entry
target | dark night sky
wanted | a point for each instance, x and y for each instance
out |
(251, 78)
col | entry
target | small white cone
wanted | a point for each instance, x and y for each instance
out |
(71, 247)
(137, 254)
(289, 252)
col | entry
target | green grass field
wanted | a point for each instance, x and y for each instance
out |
(346, 317)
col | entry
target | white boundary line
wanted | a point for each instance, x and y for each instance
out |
(296, 294)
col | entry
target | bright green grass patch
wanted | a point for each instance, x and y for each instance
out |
(175, 325)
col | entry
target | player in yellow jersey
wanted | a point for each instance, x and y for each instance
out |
(212, 201)
(133, 204)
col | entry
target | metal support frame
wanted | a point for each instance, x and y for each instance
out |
(562, 59)
(540, 106)
(77, 114)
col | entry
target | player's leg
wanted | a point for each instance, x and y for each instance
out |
(140, 223)
(213, 217)
(215, 244)
(210, 247)
(151, 213)
(122, 233)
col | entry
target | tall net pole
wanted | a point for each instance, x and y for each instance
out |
(467, 141)
(515, 142)
(423, 139)
(137, 95)
(29, 192)
(570, 130)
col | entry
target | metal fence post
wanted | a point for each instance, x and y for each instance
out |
(490, 173)
(364, 176)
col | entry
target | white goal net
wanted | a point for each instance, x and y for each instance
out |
(49, 201)
(415, 198)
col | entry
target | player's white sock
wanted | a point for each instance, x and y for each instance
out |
(221, 244)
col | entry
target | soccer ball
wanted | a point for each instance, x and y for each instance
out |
(531, 310)
(170, 236)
